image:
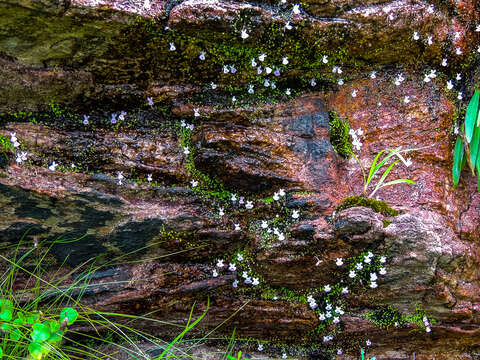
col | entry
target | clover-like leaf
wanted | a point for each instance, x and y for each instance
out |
(54, 325)
(70, 314)
(15, 334)
(6, 310)
(41, 332)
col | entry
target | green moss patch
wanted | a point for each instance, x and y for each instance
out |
(376, 205)
(339, 137)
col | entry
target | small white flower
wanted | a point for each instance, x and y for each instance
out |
(288, 26)
(260, 347)
(328, 314)
(253, 62)
(367, 260)
(354, 93)
(284, 356)
(54, 165)
(202, 56)
(185, 150)
(336, 320)
(264, 224)
(383, 259)
(458, 77)
(215, 273)
(213, 85)
(239, 257)
(285, 60)
(225, 69)
(433, 74)
(390, 17)
(250, 89)
(237, 227)
(373, 285)
(456, 36)
(220, 263)
(266, 83)
(460, 95)
(373, 75)
(235, 284)
(321, 317)
(373, 277)
(327, 288)
(220, 211)
(172, 47)
(281, 237)
(85, 119)
(194, 183)
(262, 57)
(339, 351)
(458, 51)
(477, 29)
(368, 342)
(232, 267)
(329, 306)
(444, 62)
(295, 214)
(426, 78)
(449, 84)
(21, 157)
(296, 9)
(120, 176)
(268, 70)
(345, 290)
(339, 310)
(359, 266)
(325, 59)
(339, 262)
(281, 192)
(244, 34)
(430, 40)
(249, 205)
(255, 281)
(234, 99)
(287, 92)
(352, 274)
(427, 329)
(313, 82)
(416, 36)
(478, 49)
(382, 271)
(430, 9)
(340, 82)
(406, 99)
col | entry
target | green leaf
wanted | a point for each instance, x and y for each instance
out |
(41, 332)
(54, 325)
(6, 315)
(6, 327)
(1, 353)
(56, 338)
(70, 314)
(474, 146)
(15, 335)
(458, 155)
(37, 350)
(471, 116)
(478, 172)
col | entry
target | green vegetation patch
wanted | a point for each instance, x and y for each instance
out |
(339, 137)
(376, 205)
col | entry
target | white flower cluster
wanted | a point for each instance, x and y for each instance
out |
(21, 156)
(355, 134)
(232, 267)
(427, 324)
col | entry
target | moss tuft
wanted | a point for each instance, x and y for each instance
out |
(376, 205)
(339, 137)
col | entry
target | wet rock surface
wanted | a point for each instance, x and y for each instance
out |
(115, 54)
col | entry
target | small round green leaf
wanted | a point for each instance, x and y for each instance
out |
(56, 338)
(15, 335)
(40, 333)
(6, 326)
(70, 314)
(37, 350)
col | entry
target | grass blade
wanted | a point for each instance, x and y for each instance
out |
(458, 155)
(474, 146)
(471, 116)
(382, 179)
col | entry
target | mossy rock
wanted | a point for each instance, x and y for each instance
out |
(376, 205)
(339, 137)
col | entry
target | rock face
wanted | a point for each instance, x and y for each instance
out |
(63, 60)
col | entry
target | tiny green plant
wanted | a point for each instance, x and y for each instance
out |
(378, 163)
(238, 357)
(467, 145)
(362, 354)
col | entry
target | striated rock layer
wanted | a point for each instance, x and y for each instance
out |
(97, 57)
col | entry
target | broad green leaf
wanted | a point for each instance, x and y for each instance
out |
(15, 334)
(56, 338)
(458, 155)
(474, 146)
(40, 333)
(70, 314)
(6, 315)
(1, 353)
(37, 350)
(54, 325)
(471, 116)
(6, 310)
